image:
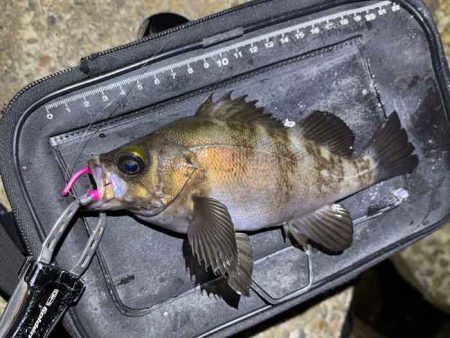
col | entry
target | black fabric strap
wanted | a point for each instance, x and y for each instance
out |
(11, 257)
(10, 226)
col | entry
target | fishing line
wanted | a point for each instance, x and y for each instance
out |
(85, 138)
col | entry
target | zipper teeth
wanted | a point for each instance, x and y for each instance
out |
(19, 224)
(177, 28)
(36, 82)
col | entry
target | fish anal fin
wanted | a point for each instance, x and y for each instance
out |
(237, 109)
(330, 228)
(328, 130)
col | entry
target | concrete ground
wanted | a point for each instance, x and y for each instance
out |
(38, 37)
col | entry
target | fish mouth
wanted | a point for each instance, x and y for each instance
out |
(110, 187)
(104, 188)
(101, 193)
(99, 184)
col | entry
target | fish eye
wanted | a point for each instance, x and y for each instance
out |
(130, 164)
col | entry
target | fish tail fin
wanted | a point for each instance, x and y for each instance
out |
(391, 151)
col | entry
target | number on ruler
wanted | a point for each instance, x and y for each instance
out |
(315, 30)
(139, 86)
(104, 97)
(329, 25)
(253, 49)
(122, 92)
(357, 18)
(86, 103)
(269, 44)
(173, 74)
(222, 62)
(237, 54)
(382, 11)
(284, 39)
(299, 35)
(205, 64)
(371, 16)
(49, 115)
(190, 70)
(156, 81)
(344, 22)
(395, 7)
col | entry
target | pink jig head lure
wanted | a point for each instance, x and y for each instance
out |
(93, 193)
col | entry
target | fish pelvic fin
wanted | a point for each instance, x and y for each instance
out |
(330, 228)
(211, 235)
(240, 279)
(215, 244)
(391, 151)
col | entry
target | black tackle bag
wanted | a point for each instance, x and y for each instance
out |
(361, 60)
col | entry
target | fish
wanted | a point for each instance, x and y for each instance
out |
(232, 169)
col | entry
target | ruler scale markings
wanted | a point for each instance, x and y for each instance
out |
(217, 55)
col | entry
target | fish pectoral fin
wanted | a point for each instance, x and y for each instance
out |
(237, 109)
(329, 130)
(330, 227)
(241, 278)
(212, 237)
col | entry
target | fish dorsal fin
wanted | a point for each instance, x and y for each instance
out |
(237, 109)
(330, 227)
(329, 130)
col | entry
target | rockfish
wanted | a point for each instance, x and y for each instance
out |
(232, 168)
